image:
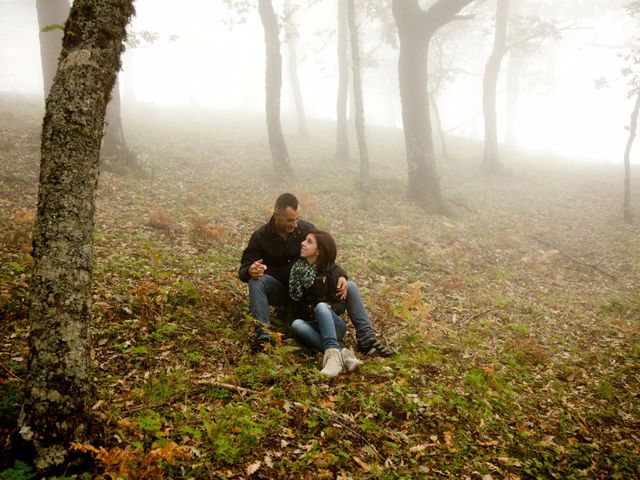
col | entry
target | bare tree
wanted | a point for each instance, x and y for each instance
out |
(51, 15)
(633, 75)
(342, 134)
(291, 36)
(490, 160)
(516, 60)
(273, 87)
(115, 152)
(633, 125)
(415, 30)
(58, 385)
(357, 97)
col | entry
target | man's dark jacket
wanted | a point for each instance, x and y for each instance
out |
(277, 253)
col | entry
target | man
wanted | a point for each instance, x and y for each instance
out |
(265, 266)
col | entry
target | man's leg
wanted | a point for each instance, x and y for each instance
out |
(262, 293)
(366, 337)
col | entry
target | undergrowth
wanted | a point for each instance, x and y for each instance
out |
(516, 320)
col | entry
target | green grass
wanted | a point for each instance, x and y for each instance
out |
(515, 359)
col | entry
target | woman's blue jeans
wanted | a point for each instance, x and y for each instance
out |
(270, 291)
(326, 330)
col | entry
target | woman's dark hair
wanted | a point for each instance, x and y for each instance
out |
(327, 248)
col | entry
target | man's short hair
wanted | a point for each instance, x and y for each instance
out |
(286, 200)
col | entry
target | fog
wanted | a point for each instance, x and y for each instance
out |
(204, 58)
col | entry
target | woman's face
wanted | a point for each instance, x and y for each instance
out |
(309, 248)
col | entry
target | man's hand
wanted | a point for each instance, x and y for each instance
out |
(257, 269)
(341, 291)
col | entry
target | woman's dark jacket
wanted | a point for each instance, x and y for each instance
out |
(323, 289)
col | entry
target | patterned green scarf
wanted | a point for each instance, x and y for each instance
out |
(302, 276)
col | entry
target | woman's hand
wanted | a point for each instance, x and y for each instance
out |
(341, 290)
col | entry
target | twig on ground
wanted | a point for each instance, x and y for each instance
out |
(11, 374)
(477, 315)
(145, 405)
(575, 260)
(227, 386)
(226, 362)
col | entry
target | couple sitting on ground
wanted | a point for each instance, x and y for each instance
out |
(289, 261)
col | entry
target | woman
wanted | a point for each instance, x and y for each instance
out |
(313, 284)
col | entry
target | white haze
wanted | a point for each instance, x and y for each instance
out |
(214, 66)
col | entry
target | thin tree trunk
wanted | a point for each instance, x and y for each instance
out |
(490, 160)
(415, 29)
(114, 142)
(116, 156)
(513, 95)
(357, 96)
(273, 88)
(291, 35)
(58, 387)
(438, 121)
(50, 12)
(342, 133)
(628, 217)
(434, 104)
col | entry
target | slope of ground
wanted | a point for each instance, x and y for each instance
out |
(517, 319)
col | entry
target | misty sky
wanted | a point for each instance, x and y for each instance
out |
(215, 65)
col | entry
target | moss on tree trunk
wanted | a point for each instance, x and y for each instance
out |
(58, 386)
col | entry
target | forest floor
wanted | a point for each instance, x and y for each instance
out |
(516, 319)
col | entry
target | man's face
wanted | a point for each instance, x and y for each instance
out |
(287, 220)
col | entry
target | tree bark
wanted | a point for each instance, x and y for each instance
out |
(415, 29)
(291, 36)
(58, 386)
(490, 160)
(50, 12)
(273, 87)
(342, 133)
(626, 208)
(357, 97)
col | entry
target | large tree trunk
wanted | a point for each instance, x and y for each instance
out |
(357, 97)
(50, 12)
(415, 29)
(273, 87)
(116, 155)
(291, 36)
(628, 217)
(58, 385)
(490, 161)
(342, 133)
